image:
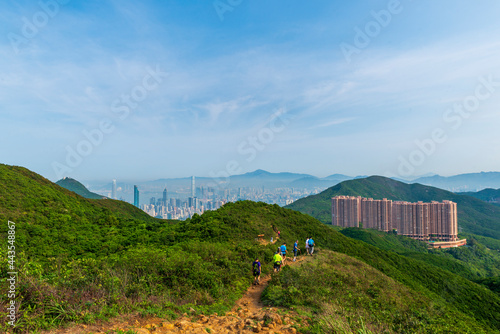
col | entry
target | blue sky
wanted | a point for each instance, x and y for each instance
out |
(249, 85)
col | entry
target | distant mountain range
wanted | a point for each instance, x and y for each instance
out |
(474, 215)
(463, 182)
(181, 187)
(470, 182)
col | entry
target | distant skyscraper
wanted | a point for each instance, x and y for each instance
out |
(136, 196)
(165, 196)
(113, 190)
(193, 189)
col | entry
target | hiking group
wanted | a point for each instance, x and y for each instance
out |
(279, 257)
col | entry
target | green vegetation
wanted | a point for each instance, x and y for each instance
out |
(84, 260)
(488, 195)
(474, 215)
(492, 283)
(78, 188)
(346, 295)
(472, 262)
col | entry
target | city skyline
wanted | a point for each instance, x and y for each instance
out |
(104, 89)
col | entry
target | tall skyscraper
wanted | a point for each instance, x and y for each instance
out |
(165, 196)
(136, 196)
(193, 189)
(113, 190)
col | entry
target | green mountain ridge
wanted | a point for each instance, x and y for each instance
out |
(82, 260)
(474, 215)
(475, 262)
(488, 195)
(78, 188)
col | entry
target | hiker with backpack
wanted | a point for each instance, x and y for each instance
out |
(277, 260)
(283, 251)
(307, 247)
(311, 245)
(295, 250)
(256, 271)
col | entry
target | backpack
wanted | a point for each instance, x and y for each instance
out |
(311, 242)
(255, 268)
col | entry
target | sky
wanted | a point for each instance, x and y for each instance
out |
(100, 90)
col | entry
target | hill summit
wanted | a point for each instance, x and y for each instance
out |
(78, 188)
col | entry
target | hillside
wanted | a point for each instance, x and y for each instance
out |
(55, 221)
(78, 188)
(474, 216)
(81, 260)
(474, 262)
(488, 195)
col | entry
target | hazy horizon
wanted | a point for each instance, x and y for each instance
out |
(106, 90)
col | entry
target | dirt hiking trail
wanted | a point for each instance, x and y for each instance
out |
(248, 315)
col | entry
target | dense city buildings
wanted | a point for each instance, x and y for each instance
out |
(183, 200)
(422, 221)
(209, 198)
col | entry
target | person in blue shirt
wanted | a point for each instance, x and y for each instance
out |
(283, 251)
(311, 245)
(256, 271)
(295, 250)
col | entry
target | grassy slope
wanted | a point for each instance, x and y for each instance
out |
(79, 251)
(474, 216)
(487, 195)
(348, 296)
(438, 284)
(473, 262)
(57, 222)
(78, 188)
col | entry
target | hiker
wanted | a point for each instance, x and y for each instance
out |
(256, 271)
(283, 251)
(307, 247)
(295, 250)
(279, 233)
(277, 261)
(311, 245)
